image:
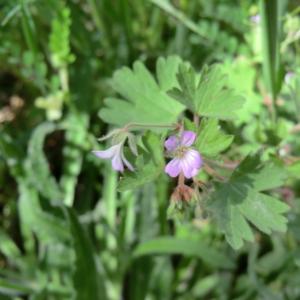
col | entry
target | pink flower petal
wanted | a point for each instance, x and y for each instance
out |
(187, 138)
(117, 163)
(172, 143)
(173, 167)
(108, 153)
(187, 169)
(115, 153)
(191, 163)
(194, 158)
(195, 172)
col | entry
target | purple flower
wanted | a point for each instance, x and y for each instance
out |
(116, 154)
(255, 19)
(185, 159)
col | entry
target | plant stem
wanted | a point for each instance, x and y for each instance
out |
(231, 165)
(196, 119)
(138, 126)
(181, 179)
(213, 172)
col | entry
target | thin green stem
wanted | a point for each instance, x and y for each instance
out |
(137, 126)
(110, 202)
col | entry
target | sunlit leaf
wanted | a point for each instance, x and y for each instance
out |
(146, 99)
(207, 95)
(241, 200)
(211, 140)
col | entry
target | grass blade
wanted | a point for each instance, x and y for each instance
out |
(271, 19)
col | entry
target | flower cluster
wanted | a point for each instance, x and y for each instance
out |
(185, 162)
(185, 159)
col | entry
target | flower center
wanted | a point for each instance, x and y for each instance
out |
(181, 151)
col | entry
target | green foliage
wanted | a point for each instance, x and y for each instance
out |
(91, 285)
(241, 199)
(142, 176)
(208, 94)
(76, 142)
(294, 169)
(28, 28)
(272, 12)
(52, 105)
(59, 39)
(149, 168)
(146, 100)
(241, 77)
(61, 57)
(13, 289)
(47, 226)
(73, 228)
(35, 68)
(8, 247)
(37, 165)
(211, 140)
(171, 10)
(170, 245)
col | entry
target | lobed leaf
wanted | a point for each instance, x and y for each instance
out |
(262, 176)
(146, 99)
(187, 79)
(240, 200)
(207, 95)
(211, 140)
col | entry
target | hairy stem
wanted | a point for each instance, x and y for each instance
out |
(181, 179)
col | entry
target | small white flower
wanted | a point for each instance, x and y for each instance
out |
(116, 154)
